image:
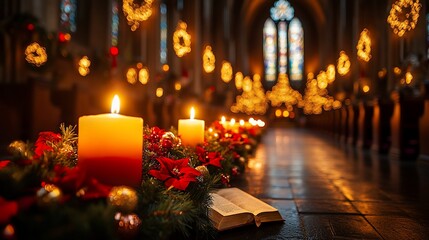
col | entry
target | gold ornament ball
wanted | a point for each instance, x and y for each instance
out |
(123, 198)
(18, 148)
(48, 195)
(127, 224)
(170, 136)
(203, 170)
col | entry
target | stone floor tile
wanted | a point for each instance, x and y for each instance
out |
(397, 227)
(325, 206)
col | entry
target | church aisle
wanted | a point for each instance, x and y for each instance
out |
(325, 191)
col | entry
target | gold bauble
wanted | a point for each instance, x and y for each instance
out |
(127, 224)
(48, 195)
(203, 170)
(18, 148)
(123, 198)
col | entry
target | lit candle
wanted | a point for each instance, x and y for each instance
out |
(191, 130)
(110, 147)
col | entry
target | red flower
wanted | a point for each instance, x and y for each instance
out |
(209, 158)
(45, 142)
(176, 173)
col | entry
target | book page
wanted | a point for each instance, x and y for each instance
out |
(245, 200)
(225, 207)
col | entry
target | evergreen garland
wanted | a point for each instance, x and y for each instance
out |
(42, 189)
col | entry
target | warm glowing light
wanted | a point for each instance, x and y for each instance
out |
(239, 80)
(397, 71)
(165, 67)
(137, 12)
(67, 36)
(192, 115)
(403, 16)
(208, 59)
(322, 80)
(226, 72)
(210, 130)
(181, 40)
(131, 75)
(278, 112)
(241, 122)
(364, 46)
(247, 84)
(260, 123)
(35, 54)
(232, 121)
(330, 73)
(256, 77)
(408, 78)
(222, 120)
(365, 88)
(84, 64)
(143, 76)
(139, 65)
(285, 113)
(9, 231)
(177, 86)
(343, 65)
(115, 105)
(382, 73)
(310, 75)
(159, 92)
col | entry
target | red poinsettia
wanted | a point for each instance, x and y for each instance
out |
(209, 158)
(45, 142)
(175, 173)
(72, 180)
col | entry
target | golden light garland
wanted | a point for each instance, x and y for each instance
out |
(226, 72)
(84, 64)
(181, 40)
(136, 13)
(282, 92)
(35, 54)
(208, 60)
(322, 80)
(252, 100)
(364, 46)
(343, 65)
(403, 16)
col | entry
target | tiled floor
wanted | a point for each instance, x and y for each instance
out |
(327, 191)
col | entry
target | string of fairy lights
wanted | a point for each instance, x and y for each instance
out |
(253, 99)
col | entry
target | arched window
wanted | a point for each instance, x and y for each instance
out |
(296, 47)
(284, 55)
(68, 16)
(270, 50)
(163, 37)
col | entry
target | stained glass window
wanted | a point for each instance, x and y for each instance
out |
(163, 27)
(270, 50)
(296, 49)
(282, 47)
(115, 24)
(68, 15)
(288, 48)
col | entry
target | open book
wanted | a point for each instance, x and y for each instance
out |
(233, 207)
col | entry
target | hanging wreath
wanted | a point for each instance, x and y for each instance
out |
(181, 40)
(343, 65)
(35, 54)
(136, 13)
(403, 16)
(364, 46)
(208, 60)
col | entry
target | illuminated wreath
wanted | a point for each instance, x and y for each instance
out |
(136, 13)
(400, 19)
(84, 64)
(343, 65)
(35, 54)
(208, 60)
(364, 46)
(181, 40)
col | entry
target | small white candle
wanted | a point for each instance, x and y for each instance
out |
(191, 131)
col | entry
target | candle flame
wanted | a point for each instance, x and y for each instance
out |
(115, 104)
(192, 113)
(223, 119)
